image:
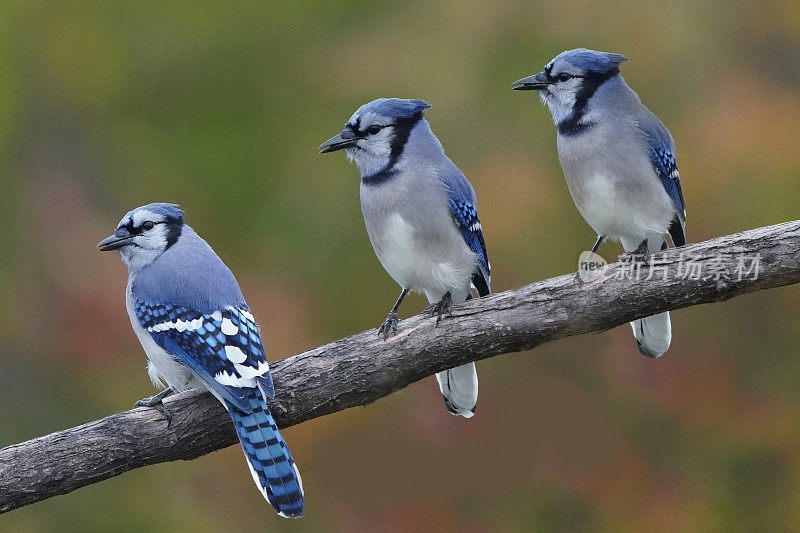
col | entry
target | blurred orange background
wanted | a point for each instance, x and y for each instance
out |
(107, 106)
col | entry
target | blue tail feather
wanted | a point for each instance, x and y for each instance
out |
(269, 458)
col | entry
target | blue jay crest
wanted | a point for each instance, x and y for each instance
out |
(590, 60)
(394, 107)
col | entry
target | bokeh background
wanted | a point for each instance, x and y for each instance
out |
(105, 106)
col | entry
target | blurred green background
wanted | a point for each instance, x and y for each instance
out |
(105, 106)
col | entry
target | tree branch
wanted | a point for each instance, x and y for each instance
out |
(360, 369)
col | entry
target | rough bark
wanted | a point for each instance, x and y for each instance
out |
(360, 369)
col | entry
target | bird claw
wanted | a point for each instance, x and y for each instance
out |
(157, 402)
(389, 326)
(641, 250)
(445, 305)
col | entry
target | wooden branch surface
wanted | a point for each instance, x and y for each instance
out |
(362, 368)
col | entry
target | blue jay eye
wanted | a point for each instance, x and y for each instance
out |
(372, 130)
(148, 225)
(564, 76)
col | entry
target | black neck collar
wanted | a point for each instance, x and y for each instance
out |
(402, 130)
(572, 125)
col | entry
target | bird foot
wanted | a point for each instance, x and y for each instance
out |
(157, 402)
(389, 326)
(440, 308)
(641, 249)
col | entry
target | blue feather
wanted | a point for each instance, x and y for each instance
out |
(189, 274)
(462, 206)
(203, 349)
(201, 342)
(590, 60)
(667, 170)
(466, 216)
(662, 155)
(270, 460)
(393, 107)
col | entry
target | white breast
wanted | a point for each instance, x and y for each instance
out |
(161, 366)
(622, 207)
(397, 250)
(614, 185)
(602, 205)
(432, 262)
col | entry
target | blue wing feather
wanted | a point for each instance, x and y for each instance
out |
(667, 170)
(462, 207)
(224, 350)
(227, 359)
(662, 155)
(271, 462)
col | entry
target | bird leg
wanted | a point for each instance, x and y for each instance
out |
(597, 243)
(389, 326)
(445, 305)
(156, 401)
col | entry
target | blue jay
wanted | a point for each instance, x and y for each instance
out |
(194, 324)
(421, 219)
(618, 161)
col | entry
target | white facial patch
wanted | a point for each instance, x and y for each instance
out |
(140, 216)
(153, 239)
(149, 245)
(372, 153)
(560, 96)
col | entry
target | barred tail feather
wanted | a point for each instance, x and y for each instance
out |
(268, 457)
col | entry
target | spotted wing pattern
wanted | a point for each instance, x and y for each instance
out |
(466, 216)
(222, 348)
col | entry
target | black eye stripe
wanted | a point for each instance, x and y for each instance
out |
(356, 128)
(153, 222)
(375, 128)
(136, 230)
(366, 131)
(402, 130)
(568, 76)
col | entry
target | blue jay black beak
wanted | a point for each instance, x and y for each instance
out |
(537, 82)
(345, 139)
(114, 242)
